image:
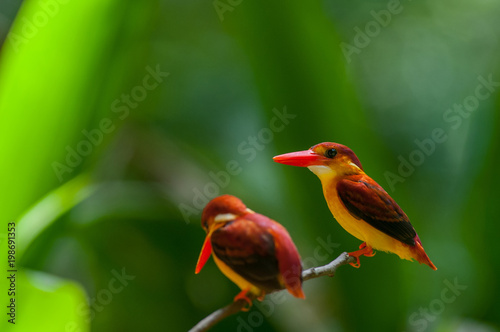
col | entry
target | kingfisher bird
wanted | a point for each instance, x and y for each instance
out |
(358, 203)
(252, 250)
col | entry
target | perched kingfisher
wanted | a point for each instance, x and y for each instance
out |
(359, 204)
(253, 251)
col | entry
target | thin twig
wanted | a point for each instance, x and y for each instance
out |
(327, 270)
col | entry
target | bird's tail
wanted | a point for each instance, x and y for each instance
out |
(420, 254)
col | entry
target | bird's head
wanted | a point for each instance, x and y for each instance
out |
(325, 160)
(221, 210)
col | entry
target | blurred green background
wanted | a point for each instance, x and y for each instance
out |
(120, 119)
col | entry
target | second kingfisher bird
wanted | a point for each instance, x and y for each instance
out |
(253, 251)
(359, 204)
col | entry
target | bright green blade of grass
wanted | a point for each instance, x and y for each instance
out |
(61, 68)
(45, 303)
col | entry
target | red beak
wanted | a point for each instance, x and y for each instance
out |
(206, 250)
(302, 158)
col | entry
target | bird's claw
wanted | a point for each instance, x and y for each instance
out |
(357, 264)
(364, 250)
(243, 296)
(370, 254)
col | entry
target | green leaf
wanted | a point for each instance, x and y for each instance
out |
(45, 303)
(49, 209)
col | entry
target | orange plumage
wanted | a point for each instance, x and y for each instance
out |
(253, 251)
(359, 204)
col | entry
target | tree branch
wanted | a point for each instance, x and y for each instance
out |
(327, 270)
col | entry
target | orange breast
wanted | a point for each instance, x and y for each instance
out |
(360, 229)
(235, 277)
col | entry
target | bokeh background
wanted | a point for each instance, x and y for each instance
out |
(120, 119)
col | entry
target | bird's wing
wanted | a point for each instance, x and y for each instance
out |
(248, 249)
(366, 200)
(290, 265)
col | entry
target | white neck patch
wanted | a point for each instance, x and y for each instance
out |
(354, 165)
(223, 217)
(322, 170)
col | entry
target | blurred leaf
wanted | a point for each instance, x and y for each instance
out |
(63, 65)
(40, 126)
(49, 209)
(47, 303)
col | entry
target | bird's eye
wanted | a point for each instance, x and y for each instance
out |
(330, 153)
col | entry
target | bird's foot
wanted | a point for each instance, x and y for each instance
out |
(369, 250)
(243, 296)
(363, 250)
